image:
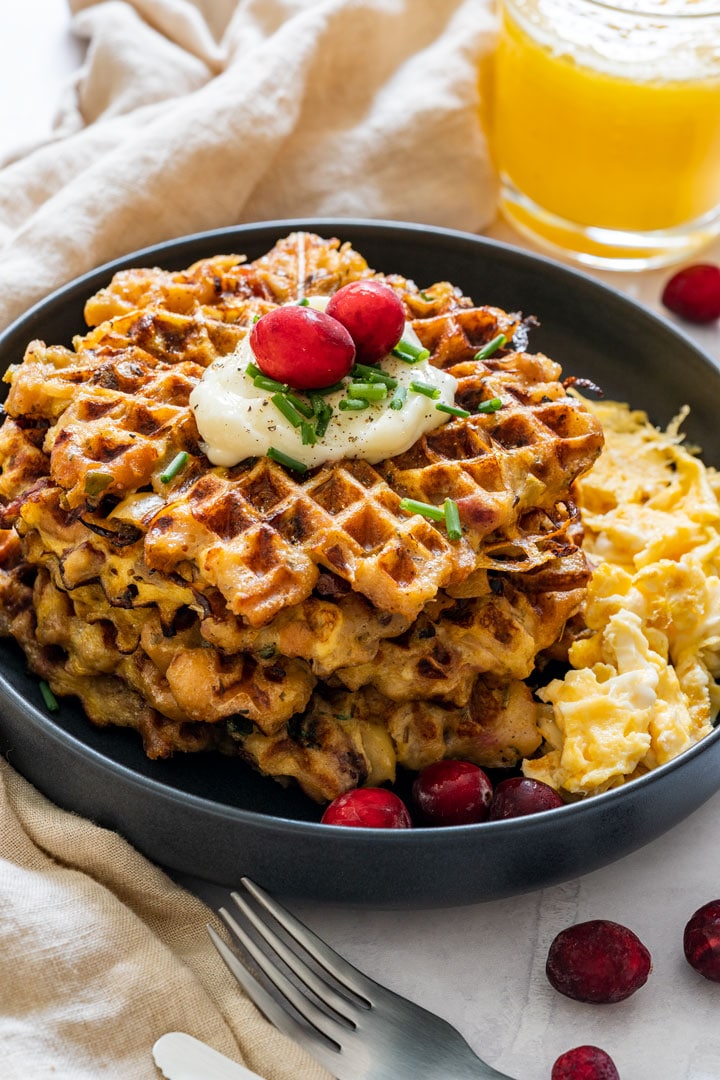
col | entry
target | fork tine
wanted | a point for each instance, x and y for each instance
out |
(306, 1008)
(330, 961)
(272, 1010)
(322, 989)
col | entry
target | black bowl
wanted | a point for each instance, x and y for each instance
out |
(211, 817)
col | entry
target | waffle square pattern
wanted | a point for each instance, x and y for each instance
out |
(309, 623)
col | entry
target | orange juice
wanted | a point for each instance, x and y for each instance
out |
(604, 134)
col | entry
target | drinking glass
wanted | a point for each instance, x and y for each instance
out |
(605, 126)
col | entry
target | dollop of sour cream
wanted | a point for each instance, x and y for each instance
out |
(237, 419)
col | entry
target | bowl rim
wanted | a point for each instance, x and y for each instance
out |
(380, 225)
(587, 806)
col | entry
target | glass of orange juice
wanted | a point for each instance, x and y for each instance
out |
(605, 126)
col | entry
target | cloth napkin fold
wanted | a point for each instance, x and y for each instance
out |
(197, 114)
(189, 115)
(101, 954)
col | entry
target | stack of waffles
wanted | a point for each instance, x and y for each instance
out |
(304, 622)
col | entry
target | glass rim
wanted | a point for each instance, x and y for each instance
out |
(674, 16)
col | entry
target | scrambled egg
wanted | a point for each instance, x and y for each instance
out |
(643, 680)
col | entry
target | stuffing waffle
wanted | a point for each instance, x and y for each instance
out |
(309, 624)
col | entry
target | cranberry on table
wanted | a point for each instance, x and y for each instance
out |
(373, 315)
(519, 795)
(452, 793)
(694, 293)
(302, 347)
(598, 961)
(584, 1063)
(701, 941)
(368, 808)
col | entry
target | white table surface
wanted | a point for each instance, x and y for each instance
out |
(482, 966)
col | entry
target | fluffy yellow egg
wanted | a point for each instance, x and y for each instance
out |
(642, 686)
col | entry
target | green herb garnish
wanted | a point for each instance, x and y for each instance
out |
(307, 433)
(51, 702)
(425, 388)
(453, 410)
(373, 375)
(263, 382)
(367, 391)
(325, 390)
(353, 404)
(323, 413)
(412, 506)
(287, 409)
(491, 347)
(304, 302)
(176, 466)
(410, 353)
(286, 460)
(303, 407)
(399, 398)
(490, 406)
(452, 520)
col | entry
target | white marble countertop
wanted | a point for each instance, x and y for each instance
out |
(482, 966)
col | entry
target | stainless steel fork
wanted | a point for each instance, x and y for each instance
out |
(356, 1028)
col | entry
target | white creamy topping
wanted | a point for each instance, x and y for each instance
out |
(237, 420)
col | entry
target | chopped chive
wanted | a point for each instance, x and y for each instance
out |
(325, 390)
(303, 407)
(304, 302)
(323, 413)
(491, 347)
(253, 371)
(437, 513)
(263, 382)
(399, 398)
(426, 296)
(96, 480)
(367, 391)
(255, 319)
(177, 464)
(307, 433)
(453, 410)
(425, 388)
(411, 354)
(286, 460)
(490, 406)
(354, 404)
(373, 375)
(322, 423)
(288, 410)
(51, 702)
(452, 520)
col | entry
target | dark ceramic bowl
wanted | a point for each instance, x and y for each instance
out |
(213, 818)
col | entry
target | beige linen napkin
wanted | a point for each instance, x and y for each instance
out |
(189, 115)
(196, 114)
(101, 954)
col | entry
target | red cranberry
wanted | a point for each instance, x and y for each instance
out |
(597, 961)
(694, 293)
(452, 793)
(302, 347)
(373, 315)
(519, 795)
(584, 1063)
(368, 808)
(701, 940)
